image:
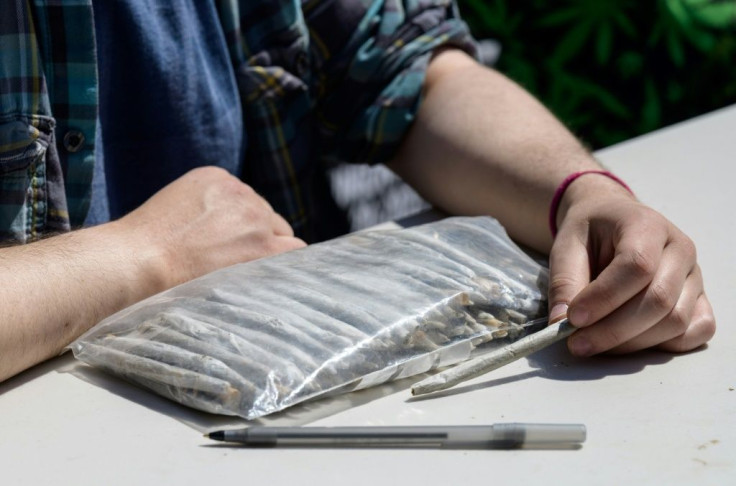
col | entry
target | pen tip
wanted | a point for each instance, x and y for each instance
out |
(219, 435)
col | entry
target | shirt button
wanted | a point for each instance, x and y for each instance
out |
(73, 140)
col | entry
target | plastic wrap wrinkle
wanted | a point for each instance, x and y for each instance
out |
(351, 313)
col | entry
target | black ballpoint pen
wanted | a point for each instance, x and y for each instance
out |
(498, 436)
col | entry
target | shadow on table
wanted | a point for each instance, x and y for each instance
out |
(35, 372)
(556, 363)
(204, 422)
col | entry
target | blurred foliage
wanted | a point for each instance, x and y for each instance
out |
(614, 69)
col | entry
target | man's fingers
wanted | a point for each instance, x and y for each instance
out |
(646, 287)
(635, 262)
(569, 272)
(659, 312)
(287, 243)
(673, 324)
(701, 329)
(280, 226)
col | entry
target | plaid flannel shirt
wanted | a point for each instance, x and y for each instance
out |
(321, 81)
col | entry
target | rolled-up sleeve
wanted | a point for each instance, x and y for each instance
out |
(371, 58)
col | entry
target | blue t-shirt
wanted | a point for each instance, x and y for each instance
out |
(168, 100)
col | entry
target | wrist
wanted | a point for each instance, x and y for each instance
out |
(584, 188)
(144, 264)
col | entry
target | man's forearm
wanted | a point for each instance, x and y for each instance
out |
(482, 145)
(53, 290)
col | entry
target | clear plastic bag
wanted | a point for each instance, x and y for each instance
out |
(370, 307)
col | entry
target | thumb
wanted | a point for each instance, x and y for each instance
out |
(569, 273)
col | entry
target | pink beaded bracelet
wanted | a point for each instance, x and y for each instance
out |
(555, 205)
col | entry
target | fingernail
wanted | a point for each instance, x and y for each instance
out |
(579, 317)
(580, 346)
(557, 312)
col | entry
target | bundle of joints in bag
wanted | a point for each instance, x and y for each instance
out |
(363, 309)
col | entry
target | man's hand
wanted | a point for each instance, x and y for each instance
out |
(53, 290)
(205, 220)
(630, 277)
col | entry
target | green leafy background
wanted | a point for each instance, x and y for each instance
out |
(614, 69)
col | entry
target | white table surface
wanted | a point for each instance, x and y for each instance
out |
(652, 418)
